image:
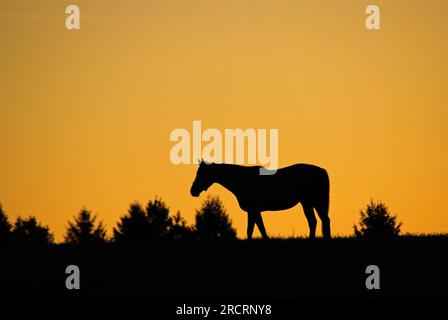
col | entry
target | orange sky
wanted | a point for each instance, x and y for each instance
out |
(85, 116)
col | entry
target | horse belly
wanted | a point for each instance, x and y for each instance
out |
(278, 203)
(270, 199)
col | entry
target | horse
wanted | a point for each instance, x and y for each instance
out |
(304, 183)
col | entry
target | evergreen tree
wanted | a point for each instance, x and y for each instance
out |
(31, 231)
(377, 221)
(85, 230)
(5, 227)
(133, 226)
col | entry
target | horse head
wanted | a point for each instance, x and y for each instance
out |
(203, 179)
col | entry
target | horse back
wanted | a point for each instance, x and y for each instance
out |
(284, 189)
(297, 174)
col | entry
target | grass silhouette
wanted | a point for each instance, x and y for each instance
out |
(412, 267)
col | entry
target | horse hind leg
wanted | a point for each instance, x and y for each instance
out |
(322, 211)
(312, 222)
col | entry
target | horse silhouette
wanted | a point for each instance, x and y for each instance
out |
(304, 183)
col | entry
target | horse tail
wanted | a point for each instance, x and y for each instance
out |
(326, 193)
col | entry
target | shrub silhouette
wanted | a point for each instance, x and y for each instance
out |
(30, 231)
(376, 221)
(5, 227)
(212, 221)
(84, 230)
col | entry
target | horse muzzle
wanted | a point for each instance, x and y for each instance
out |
(194, 193)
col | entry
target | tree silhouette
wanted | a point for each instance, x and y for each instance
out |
(153, 223)
(212, 221)
(133, 226)
(84, 229)
(179, 228)
(376, 221)
(159, 220)
(31, 231)
(5, 226)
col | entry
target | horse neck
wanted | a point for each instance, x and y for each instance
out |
(229, 176)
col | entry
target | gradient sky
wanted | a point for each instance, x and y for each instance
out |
(85, 116)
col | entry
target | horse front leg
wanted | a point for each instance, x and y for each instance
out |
(259, 221)
(250, 225)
